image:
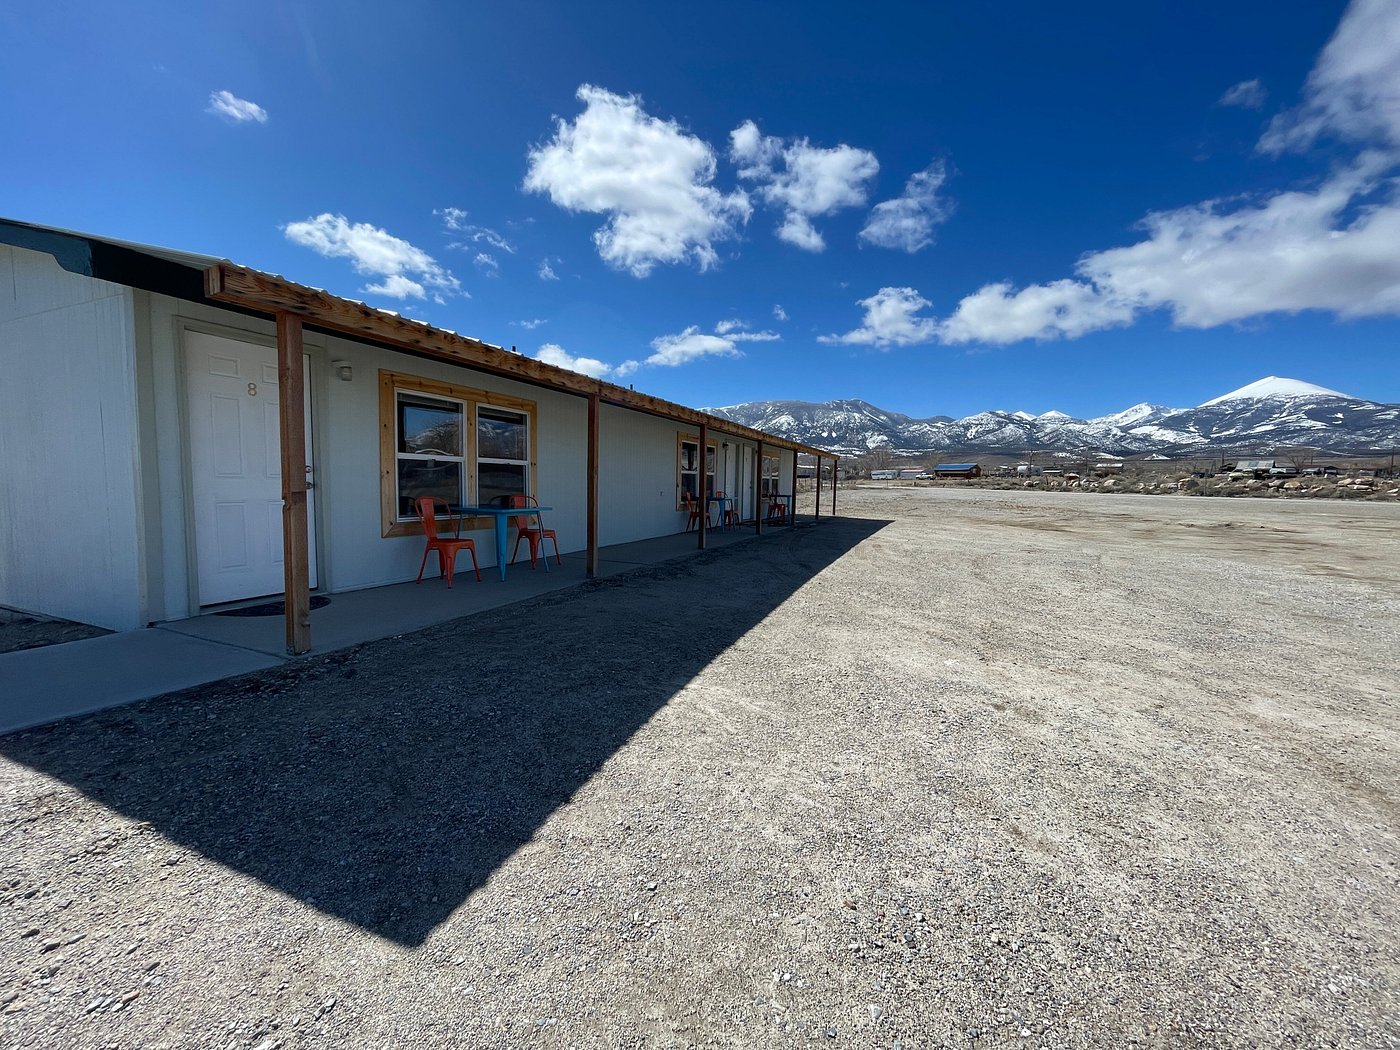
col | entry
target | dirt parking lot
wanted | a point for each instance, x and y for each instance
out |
(962, 768)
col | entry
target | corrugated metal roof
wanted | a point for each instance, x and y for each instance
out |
(956, 466)
(193, 260)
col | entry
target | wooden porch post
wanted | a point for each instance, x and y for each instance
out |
(758, 490)
(835, 469)
(591, 561)
(291, 415)
(793, 500)
(817, 508)
(701, 493)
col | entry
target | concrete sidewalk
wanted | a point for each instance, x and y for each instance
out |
(74, 678)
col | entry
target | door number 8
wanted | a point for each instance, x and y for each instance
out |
(252, 389)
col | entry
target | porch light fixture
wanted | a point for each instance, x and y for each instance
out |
(343, 371)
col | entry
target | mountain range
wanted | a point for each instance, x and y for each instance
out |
(1264, 416)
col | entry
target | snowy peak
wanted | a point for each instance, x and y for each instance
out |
(1272, 413)
(1272, 387)
(1139, 413)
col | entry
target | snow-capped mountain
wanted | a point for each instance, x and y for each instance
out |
(1265, 415)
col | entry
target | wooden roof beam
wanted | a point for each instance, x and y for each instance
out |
(250, 289)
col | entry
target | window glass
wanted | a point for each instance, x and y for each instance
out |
(502, 457)
(429, 458)
(500, 434)
(770, 476)
(497, 482)
(687, 463)
(429, 426)
(425, 477)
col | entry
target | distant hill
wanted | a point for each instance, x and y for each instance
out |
(1263, 416)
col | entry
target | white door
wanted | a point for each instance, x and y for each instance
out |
(236, 468)
(746, 504)
(731, 473)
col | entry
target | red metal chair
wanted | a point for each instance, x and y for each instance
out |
(692, 510)
(446, 548)
(530, 527)
(728, 510)
(732, 518)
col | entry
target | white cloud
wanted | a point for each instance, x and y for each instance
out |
(455, 221)
(1065, 308)
(239, 110)
(890, 320)
(669, 351)
(651, 178)
(547, 272)
(530, 326)
(804, 180)
(737, 331)
(907, 222)
(376, 253)
(1353, 92)
(689, 345)
(780, 313)
(1331, 249)
(1247, 94)
(487, 264)
(397, 286)
(554, 354)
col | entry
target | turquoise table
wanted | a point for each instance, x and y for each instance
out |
(502, 516)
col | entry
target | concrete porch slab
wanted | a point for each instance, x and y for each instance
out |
(59, 681)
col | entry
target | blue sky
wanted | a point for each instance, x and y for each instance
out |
(938, 208)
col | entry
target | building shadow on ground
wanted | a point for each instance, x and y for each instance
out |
(385, 783)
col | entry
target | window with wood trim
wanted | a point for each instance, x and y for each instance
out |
(688, 467)
(463, 445)
(768, 478)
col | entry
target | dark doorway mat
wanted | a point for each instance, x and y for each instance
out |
(277, 608)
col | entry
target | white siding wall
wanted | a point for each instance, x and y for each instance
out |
(69, 506)
(636, 476)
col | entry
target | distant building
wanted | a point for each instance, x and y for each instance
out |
(957, 470)
(1258, 467)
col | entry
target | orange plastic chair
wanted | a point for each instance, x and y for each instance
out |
(777, 511)
(530, 527)
(446, 549)
(692, 510)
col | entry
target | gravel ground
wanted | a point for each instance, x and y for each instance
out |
(25, 631)
(961, 769)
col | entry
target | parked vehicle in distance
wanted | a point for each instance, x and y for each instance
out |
(1283, 472)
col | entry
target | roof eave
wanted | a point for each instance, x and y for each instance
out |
(239, 286)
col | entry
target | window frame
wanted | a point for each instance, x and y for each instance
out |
(764, 490)
(712, 461)
(391, 384)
